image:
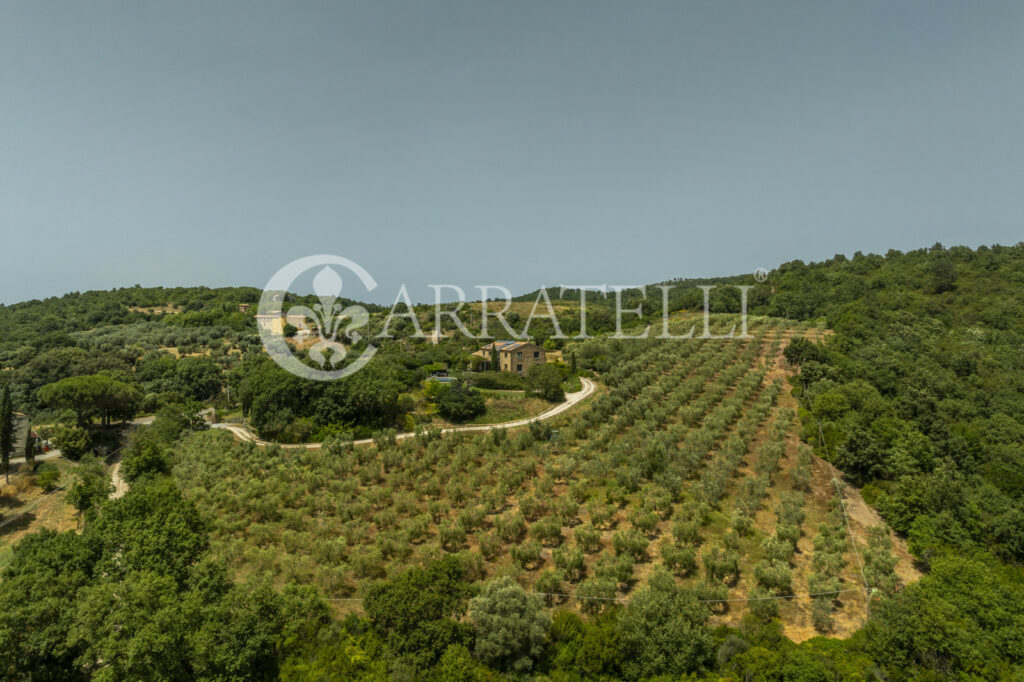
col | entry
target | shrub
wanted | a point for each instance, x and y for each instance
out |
(144, 455)
(90, 485)
(453, 537)
(531, 507)
(506, 381)
(821, 613)
(777, 549)
(548, 531)
(570, 562)
(596, 595)
(680, 560)
(72, 441)
(588, 538)
(490, 546)
(762, 606)
(687, 532)
(550, 583)
(721, 564)
(630, 542)
(619, 568)
(602, 515)
(774, 575)
(742, 523)
(47, 476)
(510, 527)
(527, 555)
(644, 521)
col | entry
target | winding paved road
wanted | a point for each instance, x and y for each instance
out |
(571, 399)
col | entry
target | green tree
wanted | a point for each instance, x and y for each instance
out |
(240, 636)
(151, 529)
(92, 395)
(72, 441)
(137, 597)
(174, 419)
(6, 430)
(457, 665)
(37, 594)
(413, 612)
(459, 402)
(800, 350)
(144, 455)
(546, 381)
(199, 377)
(861, 456)
(30, 449)
(511, 626)
(943, 276)
(336, 654)
(47, 477)
(959, 620)
(661, 631)
(598, 653)
(135, 626)
(90, 485)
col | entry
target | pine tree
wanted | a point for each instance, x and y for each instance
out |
(6, 430)
(572, 364)
(495, 366)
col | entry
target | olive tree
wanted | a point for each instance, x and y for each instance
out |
(511, 626)
(662, 632)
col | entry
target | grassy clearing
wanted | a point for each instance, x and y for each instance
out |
(37, 509)
(506, 406)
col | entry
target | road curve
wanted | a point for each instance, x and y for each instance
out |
(571, 399)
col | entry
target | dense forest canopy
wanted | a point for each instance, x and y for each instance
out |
(918, 389)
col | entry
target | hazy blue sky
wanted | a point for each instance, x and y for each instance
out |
(520, 143)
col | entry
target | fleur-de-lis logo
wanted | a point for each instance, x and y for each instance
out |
(328, 315)
(329, 318)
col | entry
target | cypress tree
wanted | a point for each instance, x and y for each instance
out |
(30, 450)
(6, 430)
